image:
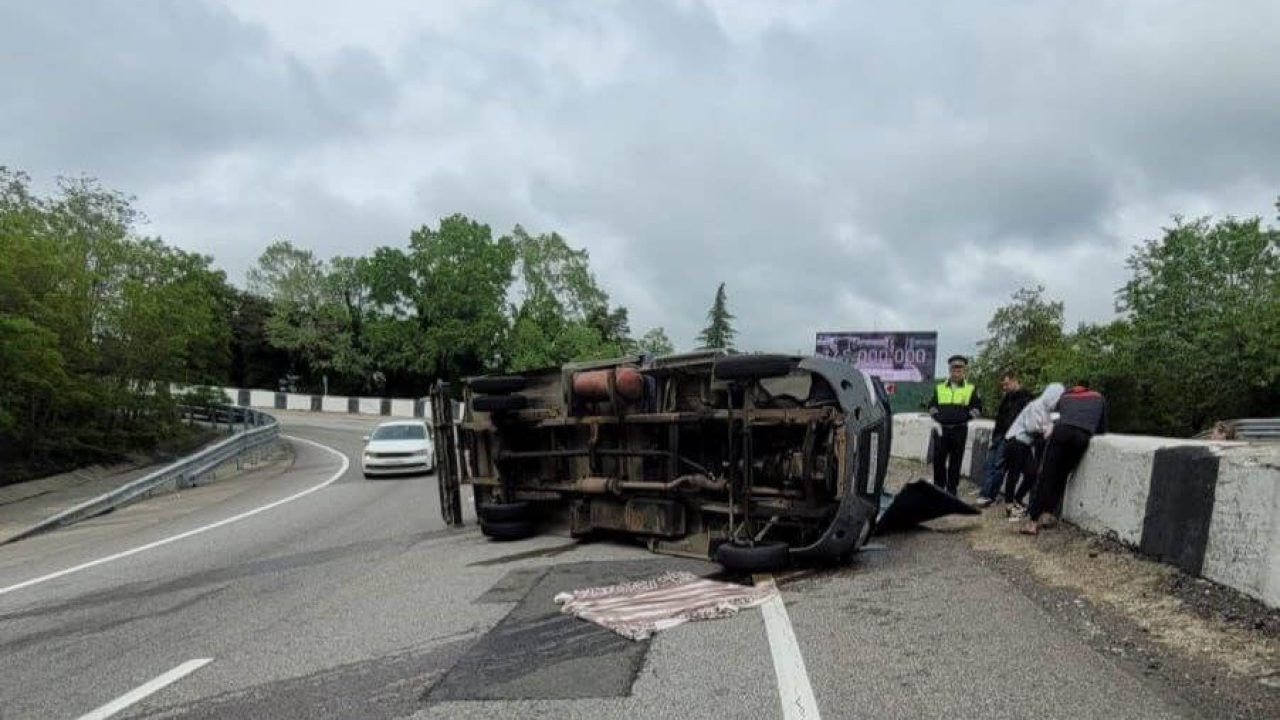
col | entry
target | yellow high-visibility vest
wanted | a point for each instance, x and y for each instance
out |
(948, 395)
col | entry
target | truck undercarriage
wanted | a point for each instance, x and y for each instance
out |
(756, 461)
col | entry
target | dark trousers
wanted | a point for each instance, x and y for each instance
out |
(948, 453)
(1021, 467)
(1067, 446)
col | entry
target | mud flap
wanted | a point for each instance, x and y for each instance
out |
(919, 501)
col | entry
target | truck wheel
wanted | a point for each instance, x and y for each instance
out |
(761, 557)
(507, 530)
(498, 384)
(752, 367)
(498, 403)
(503, 512)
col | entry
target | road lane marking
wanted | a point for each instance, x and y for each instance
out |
(794, 690)
(346, 463)
(143, 691)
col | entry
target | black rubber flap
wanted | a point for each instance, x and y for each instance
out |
(920, 501)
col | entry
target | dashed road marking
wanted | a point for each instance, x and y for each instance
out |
(146, 689)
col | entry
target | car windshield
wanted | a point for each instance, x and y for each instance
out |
(399, 432)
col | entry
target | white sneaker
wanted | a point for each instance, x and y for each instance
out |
(984, 502)
(1017, 513)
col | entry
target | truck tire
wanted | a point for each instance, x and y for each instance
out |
(503, 512)
(507, 530)
(752, 367)
(498, 403)
(498, 384)
(761, 557)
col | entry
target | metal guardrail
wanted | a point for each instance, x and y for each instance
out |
(1256, 429)
(256, 429)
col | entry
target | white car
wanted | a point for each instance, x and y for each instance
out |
(398, 447)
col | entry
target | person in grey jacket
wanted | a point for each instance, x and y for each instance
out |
(1082, 413)
(1024, 448)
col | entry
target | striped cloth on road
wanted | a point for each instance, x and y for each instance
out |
(639, 608)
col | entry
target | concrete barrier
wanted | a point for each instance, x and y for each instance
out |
(298, 402)
(912, 439)
(1210, 508)
(1110, 490)
(1243, 548)
(333, 404)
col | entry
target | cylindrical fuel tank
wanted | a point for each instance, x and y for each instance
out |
(628, 383)
(591, 385)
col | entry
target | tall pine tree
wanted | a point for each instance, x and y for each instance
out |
(719, 332)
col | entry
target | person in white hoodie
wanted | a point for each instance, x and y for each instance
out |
(1024, 448)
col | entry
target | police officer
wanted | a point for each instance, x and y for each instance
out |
(955, 402)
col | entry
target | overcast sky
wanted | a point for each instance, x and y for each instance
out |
(839, 165)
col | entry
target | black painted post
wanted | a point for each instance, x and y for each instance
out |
(1175, 528)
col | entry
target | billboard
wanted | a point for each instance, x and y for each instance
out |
(893, 357)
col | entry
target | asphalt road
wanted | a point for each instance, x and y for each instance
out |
(352, 600)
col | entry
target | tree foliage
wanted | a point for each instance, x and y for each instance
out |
(1197, 340)
(719, 332)
(655, 342)
(560, 313)
(95, 321)
(1025, 336)
(1203, 306)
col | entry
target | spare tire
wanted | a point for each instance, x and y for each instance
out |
(507, 529)
(498, 403)
(761, 557)
(752, 367)
(498, 384)
(502, 512)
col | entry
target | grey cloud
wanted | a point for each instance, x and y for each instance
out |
(138, 90)
(836, 164)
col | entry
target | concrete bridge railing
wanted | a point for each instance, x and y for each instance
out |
(1210, 508)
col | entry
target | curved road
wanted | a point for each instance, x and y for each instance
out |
(352, 600)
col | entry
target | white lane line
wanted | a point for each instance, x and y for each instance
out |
(346, 463)
(142, 691)
(798, 702)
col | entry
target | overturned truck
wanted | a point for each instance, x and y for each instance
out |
(755, 461)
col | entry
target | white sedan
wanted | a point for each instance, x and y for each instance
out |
(399, 447)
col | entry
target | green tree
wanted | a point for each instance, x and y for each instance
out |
(614, 326)
(656, 342)
(303, 320)
(719, 332)
(255, 362)
(451, 288)
(95, 323)
(1203, 306)
(1025, 336)
(561, 313)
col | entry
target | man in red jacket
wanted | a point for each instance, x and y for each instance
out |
(1082, 414)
